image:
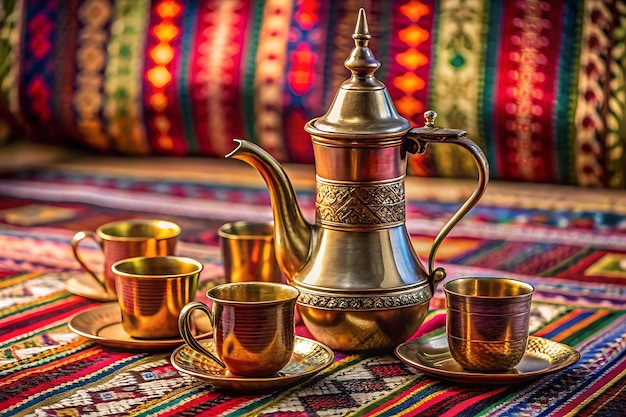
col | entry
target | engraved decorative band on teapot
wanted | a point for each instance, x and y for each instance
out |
(363, 302)
(376, 205)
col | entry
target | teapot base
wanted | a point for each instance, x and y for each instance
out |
(347, 330)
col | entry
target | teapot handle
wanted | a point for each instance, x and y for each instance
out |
(417, 139)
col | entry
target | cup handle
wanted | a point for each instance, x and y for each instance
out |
(78, 237)
(184, 326)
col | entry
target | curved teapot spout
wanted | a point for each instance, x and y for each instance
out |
(292, 233)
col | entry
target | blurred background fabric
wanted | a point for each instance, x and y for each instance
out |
(538, 85)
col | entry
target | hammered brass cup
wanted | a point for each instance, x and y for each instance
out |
(487, 322)
(126, 239)
(248, 252)
(153, 291)
(253, 326)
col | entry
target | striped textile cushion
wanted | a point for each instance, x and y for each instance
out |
(539, 85)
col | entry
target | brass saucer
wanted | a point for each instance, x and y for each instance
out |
(431, 355)
(82, 284)
(309, 357)
(103, 325)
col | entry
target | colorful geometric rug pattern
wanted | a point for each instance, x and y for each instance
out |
(575, 259)
(539, 85)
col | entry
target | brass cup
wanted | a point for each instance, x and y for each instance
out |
(248, 252)
(126, 239)
(153, 291)
(487, 322)
(253, 326)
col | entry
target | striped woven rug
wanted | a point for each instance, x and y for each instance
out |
(571, 247)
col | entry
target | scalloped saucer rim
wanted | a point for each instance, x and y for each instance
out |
(309, 358)
(82, 284)
(103, 325)
(431, 355)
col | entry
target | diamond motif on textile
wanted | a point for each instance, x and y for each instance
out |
(610, 265)
(345, 390)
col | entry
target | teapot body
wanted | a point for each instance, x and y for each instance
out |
(362, 290)
(363, 286)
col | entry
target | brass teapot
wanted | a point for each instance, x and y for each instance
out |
(362, 286)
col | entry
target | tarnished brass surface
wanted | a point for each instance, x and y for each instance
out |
(349, 163)
(153, 291)
(367, 301)
(502, 291)
(253, 326)
(359, 253)
(248, 252)
(103, 325)
(478, 355)
(309, 357)
(431, 354)
(355, 330)
(355, 205)
(126, 239)
(487, 321)
(501, 326)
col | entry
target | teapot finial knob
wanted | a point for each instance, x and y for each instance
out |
(361, 61)
(361, 33)
(430, 116)
(362, 105)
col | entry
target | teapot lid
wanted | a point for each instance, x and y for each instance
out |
(362, 105)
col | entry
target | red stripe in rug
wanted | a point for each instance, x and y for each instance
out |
(569, 324)
(433, 322)
(34, 381)
(32, 320)
(9, 278)
(457, 409)
(597, 388)
(197, 406)
(604, 404)
(400, 398)
(430, 401)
